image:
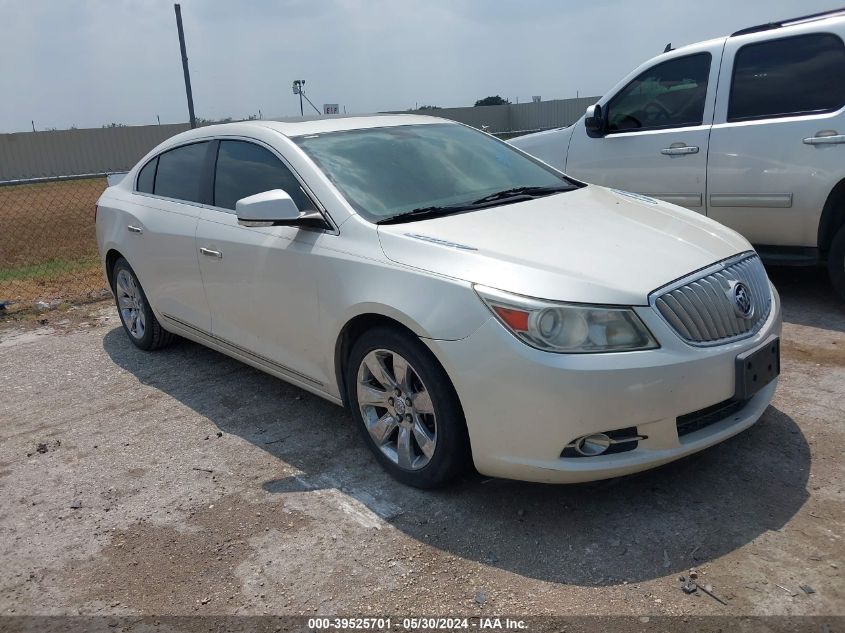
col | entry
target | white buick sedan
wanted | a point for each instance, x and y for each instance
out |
(468, 303)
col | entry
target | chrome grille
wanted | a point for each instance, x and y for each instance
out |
(701, 309)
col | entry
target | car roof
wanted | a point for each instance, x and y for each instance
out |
(303, 126)
(833, 14)
(826, 17)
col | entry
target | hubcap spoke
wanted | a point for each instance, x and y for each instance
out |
(140, 323)
(382, 428)
(404, 449)
(424, 438)
(400, 372)
(375, 364)
(368, 395)
(422, 402)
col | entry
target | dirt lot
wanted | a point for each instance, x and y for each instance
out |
(183, 482)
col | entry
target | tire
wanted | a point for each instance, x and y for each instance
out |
(136, 315)
(433, 418)
(836, 262)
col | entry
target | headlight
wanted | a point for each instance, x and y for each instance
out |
(568, 327)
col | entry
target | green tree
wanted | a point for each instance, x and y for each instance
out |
(497, 100)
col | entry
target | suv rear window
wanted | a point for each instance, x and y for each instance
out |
(791, 76)
(179, 172)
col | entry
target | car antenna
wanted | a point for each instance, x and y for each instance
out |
(668, 48)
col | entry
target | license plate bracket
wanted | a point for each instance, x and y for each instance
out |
(757, 367)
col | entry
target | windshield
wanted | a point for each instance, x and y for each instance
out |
(385, 172)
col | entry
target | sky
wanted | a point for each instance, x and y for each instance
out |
(87, 63)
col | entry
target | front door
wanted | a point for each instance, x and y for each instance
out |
(657, 132)
(261, 283)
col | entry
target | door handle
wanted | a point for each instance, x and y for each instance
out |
(827, 137)
(679, 150)
(210, 253)
(134, 229)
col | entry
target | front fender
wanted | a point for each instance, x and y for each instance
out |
(429, 305)
(550, 146)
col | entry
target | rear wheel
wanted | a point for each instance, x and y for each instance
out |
(836, 262)
(137, 317)
(407, 409)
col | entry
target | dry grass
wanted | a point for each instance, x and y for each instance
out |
(48, 249)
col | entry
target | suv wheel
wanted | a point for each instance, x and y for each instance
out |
(407, 409)
(137, 317)
(836, 262)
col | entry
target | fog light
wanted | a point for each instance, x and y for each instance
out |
(591, 445)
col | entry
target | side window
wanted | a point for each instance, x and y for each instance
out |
(790, 76)
(179, 172)
(146, 177)
(244, 169)
(667, 95)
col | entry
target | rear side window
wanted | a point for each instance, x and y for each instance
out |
(179, 172)
(797, 75)
(671, 94)
(244, 169)
(146, 177)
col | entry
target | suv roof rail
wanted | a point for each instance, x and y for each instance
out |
(768, 26)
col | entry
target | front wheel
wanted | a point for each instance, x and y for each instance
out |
(137, 316)
(407, 409)
(836, 262)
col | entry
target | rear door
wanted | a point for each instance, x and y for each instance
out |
(658, 125)
(261, 283)
(161, 242)
(776, 149)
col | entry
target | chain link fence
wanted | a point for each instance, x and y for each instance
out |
(48, 249)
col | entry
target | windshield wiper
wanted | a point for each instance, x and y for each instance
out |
(529, 192)
(424, 213)
(515, 194)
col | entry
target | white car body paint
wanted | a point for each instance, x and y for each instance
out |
(279, 297)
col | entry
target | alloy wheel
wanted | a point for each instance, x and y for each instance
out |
(130, 303)
(397, 409)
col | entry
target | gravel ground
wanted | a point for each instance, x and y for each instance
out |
(183, 482)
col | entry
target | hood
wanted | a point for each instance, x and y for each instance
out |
(590, 245)
(550, 145)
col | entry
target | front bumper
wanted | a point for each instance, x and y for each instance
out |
(523, 406)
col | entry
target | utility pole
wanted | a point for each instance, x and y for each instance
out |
(298, 87)
(185, 65)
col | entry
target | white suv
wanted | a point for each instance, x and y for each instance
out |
(748, 129)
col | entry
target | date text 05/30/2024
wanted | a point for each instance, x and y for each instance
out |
(415, 624)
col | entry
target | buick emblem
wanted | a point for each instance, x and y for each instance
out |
(740, 295)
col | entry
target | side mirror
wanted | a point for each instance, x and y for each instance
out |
(274, 208)
(594, 121)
